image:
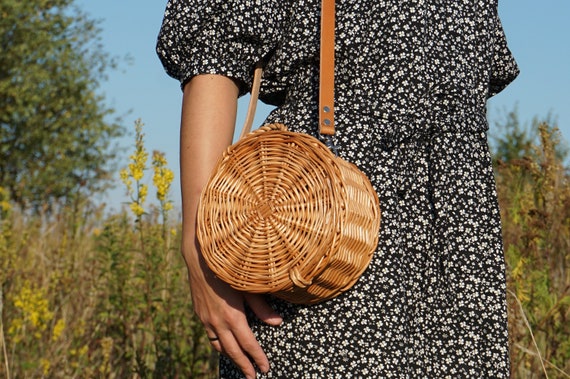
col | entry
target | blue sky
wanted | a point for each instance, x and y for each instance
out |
(537, 33)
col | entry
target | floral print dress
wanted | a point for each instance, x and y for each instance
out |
(412, 78)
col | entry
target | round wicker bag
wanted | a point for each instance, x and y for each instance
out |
(283, 215)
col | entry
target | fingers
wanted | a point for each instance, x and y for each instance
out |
(213, 339)
(221, 310)
(263, 310)
(245, 352)
(242, 348)
(246, 347)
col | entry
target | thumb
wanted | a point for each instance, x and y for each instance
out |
(263, 310)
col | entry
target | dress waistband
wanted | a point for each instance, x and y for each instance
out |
(442, 109)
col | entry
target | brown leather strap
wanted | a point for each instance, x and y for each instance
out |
(326, 84)
(252, 101)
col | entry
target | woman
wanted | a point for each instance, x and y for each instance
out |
(412, 80)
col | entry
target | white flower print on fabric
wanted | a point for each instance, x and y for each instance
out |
(412, 79)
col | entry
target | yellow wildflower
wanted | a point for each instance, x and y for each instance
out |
(16, 325)
(106, 349)
(45, 365)
(58, 329)
(83, 351)
(136, 208)
(139, 158)
(135, 172)
(137, 167)
(162, 178)
(126, 179)
(143, 192)
(5, 206)
(4, 203)
(35, 310)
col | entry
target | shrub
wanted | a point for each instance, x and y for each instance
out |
(534, 192)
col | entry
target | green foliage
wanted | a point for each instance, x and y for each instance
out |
(516, 141)
(534, 192)
(107, 298)
(54, 139)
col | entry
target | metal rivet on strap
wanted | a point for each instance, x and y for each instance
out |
(326, 121)
(326, 109)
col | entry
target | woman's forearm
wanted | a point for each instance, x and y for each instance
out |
(208, 117)
(207, 125)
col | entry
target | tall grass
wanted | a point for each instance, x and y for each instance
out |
(105, 296)
(103, 299)
(534, 193)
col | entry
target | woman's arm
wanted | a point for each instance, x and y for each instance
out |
(208, 117)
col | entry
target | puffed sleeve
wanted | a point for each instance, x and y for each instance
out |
(219, 37)
(504, 68)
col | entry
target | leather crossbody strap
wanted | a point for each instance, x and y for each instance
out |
(326, 76)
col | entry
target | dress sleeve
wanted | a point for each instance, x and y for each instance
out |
(219, 37)
(504, 68)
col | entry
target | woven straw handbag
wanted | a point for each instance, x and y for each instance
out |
(283, 215)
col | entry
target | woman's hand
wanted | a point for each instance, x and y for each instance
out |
(208, 118)
(221, 310)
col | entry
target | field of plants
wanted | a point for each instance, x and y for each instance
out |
(87, 294)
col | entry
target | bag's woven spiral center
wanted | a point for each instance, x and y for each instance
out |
(265, 210)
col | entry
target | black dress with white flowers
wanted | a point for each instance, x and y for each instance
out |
(412, 81)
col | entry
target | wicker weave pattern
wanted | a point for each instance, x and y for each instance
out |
(281, 214)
